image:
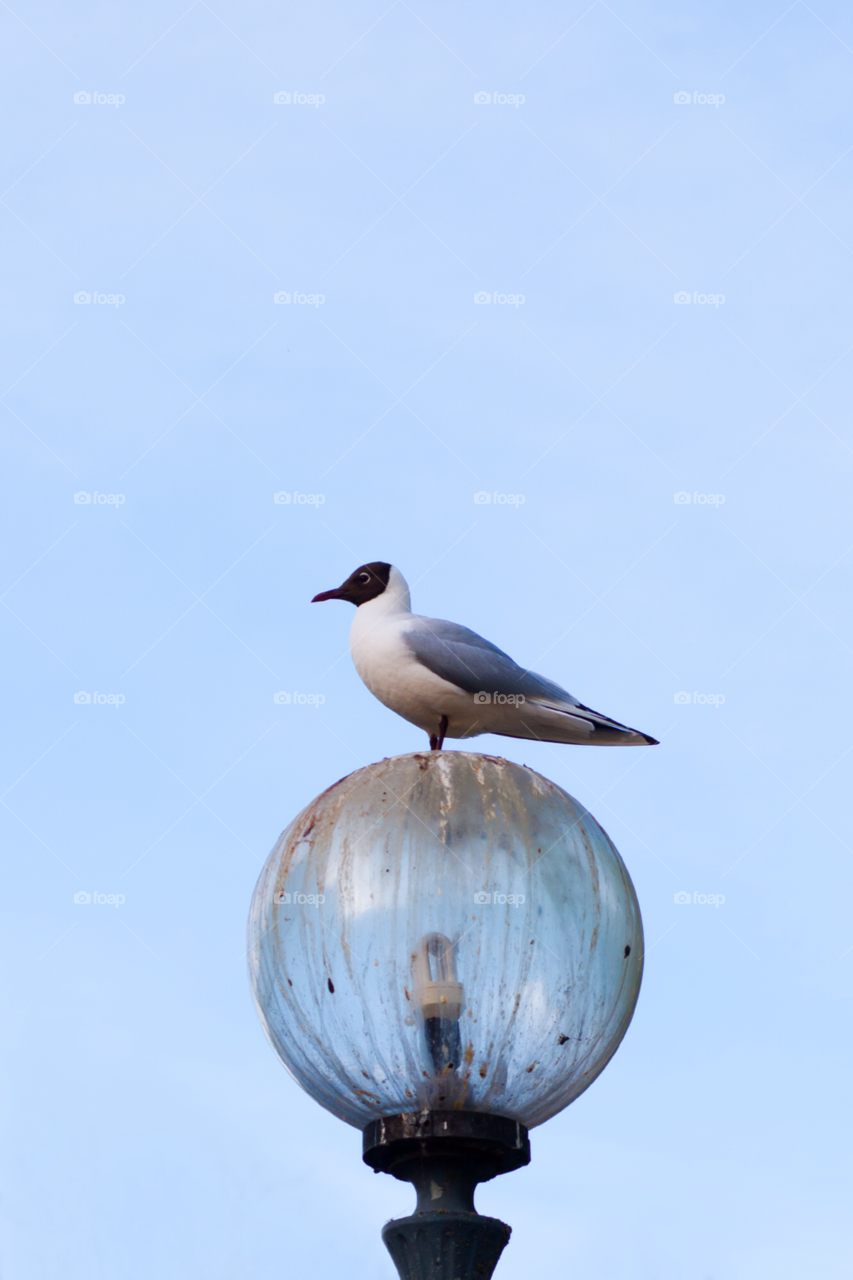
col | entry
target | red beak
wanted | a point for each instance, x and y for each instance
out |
(328, 595)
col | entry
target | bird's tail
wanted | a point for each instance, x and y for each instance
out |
(575, 723)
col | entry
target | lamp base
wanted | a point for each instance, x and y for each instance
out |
(445, 1246)
(444, 1154)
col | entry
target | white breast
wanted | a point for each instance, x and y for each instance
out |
(392, 673)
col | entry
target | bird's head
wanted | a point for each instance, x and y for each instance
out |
(366, 583)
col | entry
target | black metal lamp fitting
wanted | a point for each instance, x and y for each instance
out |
(444, 1154)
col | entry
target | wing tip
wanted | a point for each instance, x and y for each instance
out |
(610, 725)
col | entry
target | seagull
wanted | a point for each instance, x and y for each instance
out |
(452, 683)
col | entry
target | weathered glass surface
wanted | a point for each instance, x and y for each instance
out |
(445, 930)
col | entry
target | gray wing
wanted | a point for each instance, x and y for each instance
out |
(467, 660)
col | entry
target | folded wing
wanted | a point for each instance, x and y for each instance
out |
(465, 659)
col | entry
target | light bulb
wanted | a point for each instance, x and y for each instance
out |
(441, 998)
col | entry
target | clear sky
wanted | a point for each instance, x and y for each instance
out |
(149, 1129)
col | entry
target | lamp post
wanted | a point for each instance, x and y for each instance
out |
(445, 951)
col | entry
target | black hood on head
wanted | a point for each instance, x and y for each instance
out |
(366, 583)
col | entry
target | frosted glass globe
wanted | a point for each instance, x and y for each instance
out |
(445, 930)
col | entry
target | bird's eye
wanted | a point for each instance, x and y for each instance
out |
(364, 577)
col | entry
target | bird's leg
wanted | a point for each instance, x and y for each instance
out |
(436, 740)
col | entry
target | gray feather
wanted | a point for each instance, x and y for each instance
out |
(471, 663)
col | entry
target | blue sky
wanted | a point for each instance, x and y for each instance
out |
(148, 1127)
